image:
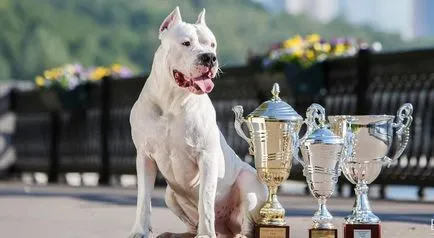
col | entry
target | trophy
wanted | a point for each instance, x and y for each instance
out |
(322, 154)
(371, 140)
(272, 127)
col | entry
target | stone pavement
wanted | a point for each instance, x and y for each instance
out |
(97, 212)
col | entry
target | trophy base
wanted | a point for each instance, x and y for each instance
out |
(271, 231)
(323, 233)
(362, 231)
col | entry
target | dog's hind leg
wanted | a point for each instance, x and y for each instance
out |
(146, 174)
(253, 194)
(173, 204)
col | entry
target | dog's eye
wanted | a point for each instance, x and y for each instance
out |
(212, 45)
(186, 43)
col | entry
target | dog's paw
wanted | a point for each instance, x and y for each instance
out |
(165, 235)
(139, 232)
(137, 235)
(239, 236)
(176, 235)
(205, 236)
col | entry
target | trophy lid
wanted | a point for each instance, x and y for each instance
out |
(324, 135)
(276, 109)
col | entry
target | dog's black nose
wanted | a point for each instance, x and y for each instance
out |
(208, 59)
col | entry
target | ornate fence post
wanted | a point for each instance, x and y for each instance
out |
(53, 170)
(104, 174)
(363, 80)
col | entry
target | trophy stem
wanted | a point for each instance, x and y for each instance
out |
(362, 201)
(272, 213)
(272, 194)
(362, 213)
(322, 218)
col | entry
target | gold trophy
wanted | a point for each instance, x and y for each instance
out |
(272, 127)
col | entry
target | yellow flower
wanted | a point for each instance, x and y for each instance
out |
(116, 68)
(340, 48)
(40, 81)
(298, 40)
(298, 52)
(293, 42)
(317, 46)
(326, 47)
(310, 54)
(99, 73)
(47, 74)
(56, 73)
(289, 44)
(313, 38)
(53, 74)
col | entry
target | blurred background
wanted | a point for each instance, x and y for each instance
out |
(70, 71)
(37, 35)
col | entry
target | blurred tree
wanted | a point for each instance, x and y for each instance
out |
(36, 35)
(5, 70)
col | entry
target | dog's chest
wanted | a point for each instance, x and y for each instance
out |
(172, 136)
(173, 149)
(174, 139)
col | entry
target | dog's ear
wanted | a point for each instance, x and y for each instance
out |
(201, 17)
(171, 20)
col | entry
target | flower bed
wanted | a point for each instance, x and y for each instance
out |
(308, 50)
(300, 59)
(67, 87)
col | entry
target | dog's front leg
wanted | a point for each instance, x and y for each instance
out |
(146, 174)
(208, 172)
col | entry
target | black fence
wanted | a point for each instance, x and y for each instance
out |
(97, 138)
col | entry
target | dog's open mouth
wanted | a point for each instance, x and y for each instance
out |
(199, 85)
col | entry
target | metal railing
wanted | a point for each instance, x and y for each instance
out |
(98, 139)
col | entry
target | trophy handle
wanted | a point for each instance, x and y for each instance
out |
(239, 120)
(296, 147)
(347, 149)
(315, 118)
(404, 119)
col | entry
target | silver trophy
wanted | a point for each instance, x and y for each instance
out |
(322, 154)
(371, 138)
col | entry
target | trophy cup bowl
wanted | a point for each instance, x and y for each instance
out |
(273, 162)
(322, 155)
(371, 139)
(271, 127)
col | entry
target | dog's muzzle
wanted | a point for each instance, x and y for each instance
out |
(207, 59)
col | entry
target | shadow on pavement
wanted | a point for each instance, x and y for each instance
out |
(128, 200)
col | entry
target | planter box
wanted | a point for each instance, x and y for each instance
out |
(305, 85)
(305, 81)
(60, 99)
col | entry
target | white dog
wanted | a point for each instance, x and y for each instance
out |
(174, 129)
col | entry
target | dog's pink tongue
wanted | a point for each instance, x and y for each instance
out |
(206, 85)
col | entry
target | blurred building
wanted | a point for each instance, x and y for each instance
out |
(321, 10)
(295, 6)
(385, 15)
(409, 18)
(423, 17)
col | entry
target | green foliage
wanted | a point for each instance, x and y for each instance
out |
(40, 34)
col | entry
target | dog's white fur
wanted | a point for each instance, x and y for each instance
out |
(209, 188)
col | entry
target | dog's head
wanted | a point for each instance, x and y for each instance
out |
(191, 55)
